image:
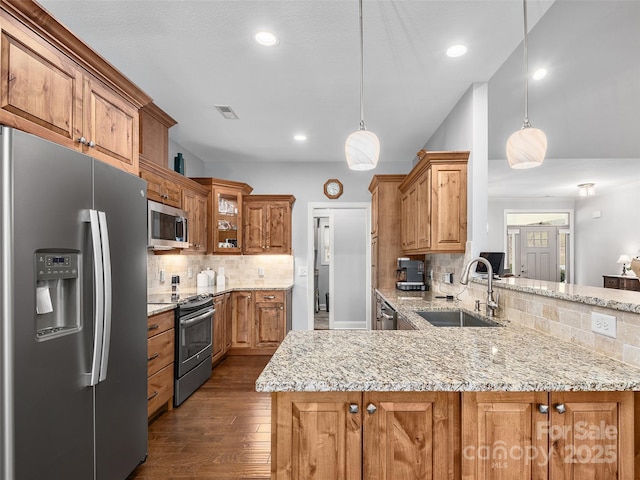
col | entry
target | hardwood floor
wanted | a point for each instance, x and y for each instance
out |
(223, 431)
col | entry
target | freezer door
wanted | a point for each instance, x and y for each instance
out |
(121, 394)
(53, 408)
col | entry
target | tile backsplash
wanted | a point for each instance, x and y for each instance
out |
(238, 269)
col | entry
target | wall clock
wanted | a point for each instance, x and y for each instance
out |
(333, 188)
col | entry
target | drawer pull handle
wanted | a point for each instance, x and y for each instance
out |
(153, 395)
(155, 326)
(153, 357)
(268, 297)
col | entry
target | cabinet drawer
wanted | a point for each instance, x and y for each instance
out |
(160, 323)
(159, 389)
(160, 351)
(275, 296)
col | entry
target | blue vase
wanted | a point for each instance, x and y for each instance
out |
(178, 164)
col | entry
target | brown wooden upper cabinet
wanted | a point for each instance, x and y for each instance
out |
(267, 224)
(54, 86)
(195, 201)
(154, 134)
(434, 204)
(225, 214)
(161, 184)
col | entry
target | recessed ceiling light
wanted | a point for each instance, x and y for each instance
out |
(267, 39)
(540, 74)
(300, 137)
(456, 51)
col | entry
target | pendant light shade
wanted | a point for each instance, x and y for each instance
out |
(527, 147)
(362, 150)
(362, 147)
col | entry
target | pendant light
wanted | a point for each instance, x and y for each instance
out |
(526, 147)
(362, 148)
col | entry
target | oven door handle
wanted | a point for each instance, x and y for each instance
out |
(198, 319)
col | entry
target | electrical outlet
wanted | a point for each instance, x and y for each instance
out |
(161, 276)
(189, 272)
(431, 275)
(302, 271)
(603, 324)
(447, 277)
(261, 271)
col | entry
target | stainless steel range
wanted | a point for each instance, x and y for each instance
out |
(194, 319)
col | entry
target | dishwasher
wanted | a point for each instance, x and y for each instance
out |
(386, 316)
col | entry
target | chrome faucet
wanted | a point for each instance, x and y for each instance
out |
(492, 305)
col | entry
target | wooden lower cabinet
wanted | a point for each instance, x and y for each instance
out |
(370, 435)
(160, 361)
(260, 320)
(451, 435)
(221, 327)
(539, 435)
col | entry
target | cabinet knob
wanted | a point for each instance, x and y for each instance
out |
(82, 140)
(91, 143)
(353, 408)
(560, 408)
(371, 408)
(543, 408)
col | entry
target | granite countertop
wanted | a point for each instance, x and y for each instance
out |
(507, 358)
(155, 308)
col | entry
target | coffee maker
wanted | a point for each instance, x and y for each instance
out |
(410, 274)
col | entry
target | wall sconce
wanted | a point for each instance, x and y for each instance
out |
(587, 189)
(624, 259)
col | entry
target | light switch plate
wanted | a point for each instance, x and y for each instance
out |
(261, 271)
(603, 324)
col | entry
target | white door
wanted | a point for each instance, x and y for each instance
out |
(539, 253)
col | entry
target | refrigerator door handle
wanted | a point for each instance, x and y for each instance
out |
(98, 278)
(106, 264)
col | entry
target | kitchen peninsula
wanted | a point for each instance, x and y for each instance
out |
(470, 403)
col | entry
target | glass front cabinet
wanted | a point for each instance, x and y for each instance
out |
(226, 214)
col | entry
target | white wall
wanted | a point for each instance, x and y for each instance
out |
(465, 128)
(600, 241)
(193, 166)
(305, 182)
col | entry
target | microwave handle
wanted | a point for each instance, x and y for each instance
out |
(181, 229)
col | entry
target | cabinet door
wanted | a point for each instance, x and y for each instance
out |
(592, 435)
(39, 85)
(374, 212)
(110, 124)
(317, 436)
(423, 199)
(227, 221)
(218, 340)
(278, 223)
(503, 436)
(449, 207)
(269, 327)
(374, 262)
(409, 204)
(160, 351)
(195, 205)
(407, 435)
(254, 220)
(228, 322)
(242, 320)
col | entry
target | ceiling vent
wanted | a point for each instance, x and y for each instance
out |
(227, 112)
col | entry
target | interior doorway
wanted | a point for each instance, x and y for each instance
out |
(339, 266)
(539, 245)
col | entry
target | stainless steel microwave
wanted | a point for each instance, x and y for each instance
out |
(167, 227)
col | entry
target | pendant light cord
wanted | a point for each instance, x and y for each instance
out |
(362, 127)
(526, 69)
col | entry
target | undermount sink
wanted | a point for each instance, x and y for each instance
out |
(455, 318)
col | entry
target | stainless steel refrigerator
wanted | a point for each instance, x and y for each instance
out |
(73, 303)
